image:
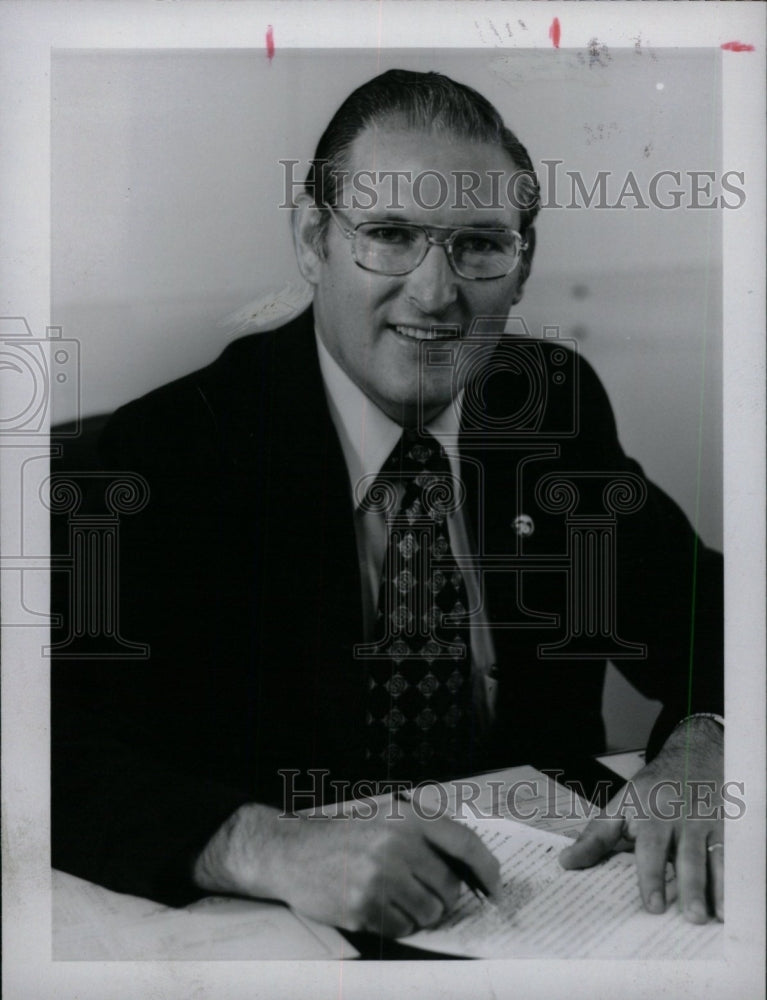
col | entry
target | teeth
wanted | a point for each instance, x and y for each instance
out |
(419, 333)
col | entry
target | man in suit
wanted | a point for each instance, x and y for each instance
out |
(275, 585)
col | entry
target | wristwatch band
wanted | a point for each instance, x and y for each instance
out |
(701, 715)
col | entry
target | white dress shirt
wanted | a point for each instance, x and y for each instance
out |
(368, 437)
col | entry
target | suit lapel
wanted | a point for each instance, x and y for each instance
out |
(286, 464)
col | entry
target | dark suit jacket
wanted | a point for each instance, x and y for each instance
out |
(242, 575)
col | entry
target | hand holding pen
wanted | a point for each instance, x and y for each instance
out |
(390, 872)
(484, 891)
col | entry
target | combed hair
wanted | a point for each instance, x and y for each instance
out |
(427, 102)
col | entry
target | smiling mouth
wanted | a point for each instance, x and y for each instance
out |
(428, 333)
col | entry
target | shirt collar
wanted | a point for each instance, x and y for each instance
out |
(367, 434)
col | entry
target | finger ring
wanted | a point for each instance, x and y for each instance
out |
(713, 847)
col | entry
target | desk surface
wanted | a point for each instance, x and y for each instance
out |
(93, 923)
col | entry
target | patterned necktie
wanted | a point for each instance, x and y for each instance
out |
(419, 720)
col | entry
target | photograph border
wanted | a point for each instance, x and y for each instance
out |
(30, 32)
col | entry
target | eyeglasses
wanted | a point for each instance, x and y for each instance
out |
(397, 248)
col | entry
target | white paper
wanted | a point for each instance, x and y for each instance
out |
(625, 764)
(549, 912)
(92, 923)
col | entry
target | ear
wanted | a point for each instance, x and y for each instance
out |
(306, 237)
(525, 264)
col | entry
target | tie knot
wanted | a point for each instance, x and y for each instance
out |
(415, 453)
(416, 476)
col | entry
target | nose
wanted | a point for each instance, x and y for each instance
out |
(432, 286)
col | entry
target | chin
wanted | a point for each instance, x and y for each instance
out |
(401, 403)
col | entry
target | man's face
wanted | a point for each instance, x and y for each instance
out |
(374, 324)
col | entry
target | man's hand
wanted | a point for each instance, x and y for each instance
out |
(692, 835)
(386, 875)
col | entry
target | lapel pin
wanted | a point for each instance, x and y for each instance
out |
(523, 525)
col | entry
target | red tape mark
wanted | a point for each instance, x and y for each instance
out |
(554, 32)
(737, 47)
(270, 42)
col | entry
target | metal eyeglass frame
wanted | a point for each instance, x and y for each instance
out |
(447, 243)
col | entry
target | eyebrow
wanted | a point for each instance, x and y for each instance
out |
(493, 223)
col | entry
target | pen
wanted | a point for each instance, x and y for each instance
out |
(465, 874)
(456, 865)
